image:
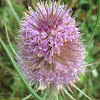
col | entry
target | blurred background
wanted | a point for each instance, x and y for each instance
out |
(85, 11)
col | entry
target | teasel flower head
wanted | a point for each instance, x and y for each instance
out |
(50, 46)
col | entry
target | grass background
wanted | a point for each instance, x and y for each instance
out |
(85, 11)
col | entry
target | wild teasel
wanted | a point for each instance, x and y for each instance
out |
(50, 47)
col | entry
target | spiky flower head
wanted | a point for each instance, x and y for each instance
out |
(50, 46)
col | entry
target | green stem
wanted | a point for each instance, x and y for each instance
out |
(7, 68)
(97, 64)
(10, 42)
(68, 93)
(81, 91)
(27, 97)
(97, 24)
(19, 71)
(13, 11)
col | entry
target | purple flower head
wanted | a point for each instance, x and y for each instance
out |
(50, 46)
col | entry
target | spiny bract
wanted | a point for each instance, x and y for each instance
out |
(50, 46)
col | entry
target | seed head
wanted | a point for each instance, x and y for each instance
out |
(50, 46)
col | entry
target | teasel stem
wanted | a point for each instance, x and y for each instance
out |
(13, 11)
(27, 97)
(97, 24)
(10, 42)
(5, 67)
(94, 67)
(81, 91)
(68, 93)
